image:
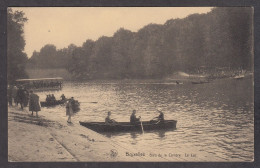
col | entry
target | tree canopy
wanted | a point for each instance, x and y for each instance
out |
(16, 58)
(220, 38)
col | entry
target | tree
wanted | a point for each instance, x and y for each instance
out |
(16, 58)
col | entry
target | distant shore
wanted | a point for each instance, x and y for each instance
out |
(177, 76)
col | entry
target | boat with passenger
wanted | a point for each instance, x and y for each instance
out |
(75, 105)
(128, 127)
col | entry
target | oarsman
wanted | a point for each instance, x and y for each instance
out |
(160, 118)
(34, 104)
(134, 119)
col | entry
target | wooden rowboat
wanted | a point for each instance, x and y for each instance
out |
(52, 103)
(75, 107)
(127, 127)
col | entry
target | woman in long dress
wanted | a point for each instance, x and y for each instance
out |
(34, 104)
(69, 110)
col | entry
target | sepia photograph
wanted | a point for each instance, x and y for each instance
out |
(130, 84)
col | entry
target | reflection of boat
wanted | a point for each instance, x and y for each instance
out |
(52, 103)
(127, 127)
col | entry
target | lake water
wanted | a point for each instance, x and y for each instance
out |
(215, 118)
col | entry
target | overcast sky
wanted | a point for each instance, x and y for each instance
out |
(63, 26)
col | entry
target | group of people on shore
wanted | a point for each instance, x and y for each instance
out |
(20, 95)
(17, 95)
(135, 120)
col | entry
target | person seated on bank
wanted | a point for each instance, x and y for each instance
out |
(108, 120)
(134, 119)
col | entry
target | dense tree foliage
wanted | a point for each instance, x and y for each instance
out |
(220, 38)
(16, 58)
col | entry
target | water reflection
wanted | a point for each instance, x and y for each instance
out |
(216, 117)
(134, 134)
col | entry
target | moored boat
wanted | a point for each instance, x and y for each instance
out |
(127, 127)
(75, 106)
(52, 103)
(199, 82)
(239, 77)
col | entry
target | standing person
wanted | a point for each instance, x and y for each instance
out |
(20, 96)
(134, 119)
(34, 104)
(9, 95)
(26, 98)
(14, 95)
(69, 110)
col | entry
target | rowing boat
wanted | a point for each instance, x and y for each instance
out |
(128, 127)
(52, 103)
(75, 106)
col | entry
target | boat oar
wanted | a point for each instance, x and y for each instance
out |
(142, 125)
(88, 102)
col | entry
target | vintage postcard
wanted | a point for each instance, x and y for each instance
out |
(130, 84)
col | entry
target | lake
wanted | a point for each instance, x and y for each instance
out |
(215, 118)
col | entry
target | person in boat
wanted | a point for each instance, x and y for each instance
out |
(159, 118)
(34, 104)
(53, 97)
(134, 119)
(108, 120)
(69, 110)
(63, 98)
(47, 98)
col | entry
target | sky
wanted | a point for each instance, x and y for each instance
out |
(63, 26)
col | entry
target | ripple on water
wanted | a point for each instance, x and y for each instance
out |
(215, 118)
